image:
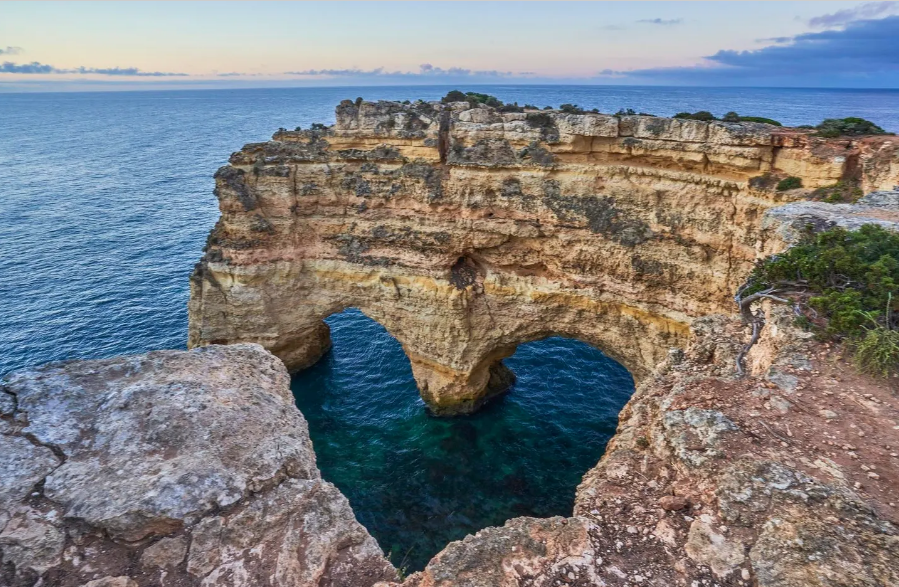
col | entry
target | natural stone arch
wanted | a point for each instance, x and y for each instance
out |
(454, 335)
(467, 231)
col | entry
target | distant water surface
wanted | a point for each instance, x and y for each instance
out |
(106, 201)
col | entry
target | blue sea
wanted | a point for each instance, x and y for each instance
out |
(106, 201)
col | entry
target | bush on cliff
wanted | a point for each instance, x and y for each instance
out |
(789, 183)
(454, 96)
(847, 127)
(842, 191)
(734, 117)
(476, 98)
(851, 279)
(572, 109)
(703, 115)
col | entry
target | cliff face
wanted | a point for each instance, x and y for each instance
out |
(466, 231)
(172, 468)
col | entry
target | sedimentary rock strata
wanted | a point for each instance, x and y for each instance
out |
(171, 468)
(467, 231)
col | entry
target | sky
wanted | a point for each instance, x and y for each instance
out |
(78, 46)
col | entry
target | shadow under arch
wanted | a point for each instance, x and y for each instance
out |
(417, 482)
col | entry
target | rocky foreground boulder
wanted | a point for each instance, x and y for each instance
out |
(170, 468)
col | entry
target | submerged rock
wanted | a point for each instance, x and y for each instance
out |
(175, 468)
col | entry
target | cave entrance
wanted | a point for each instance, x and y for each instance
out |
(417, 482)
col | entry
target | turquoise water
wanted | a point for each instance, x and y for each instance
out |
(105, 205)
(417, 482)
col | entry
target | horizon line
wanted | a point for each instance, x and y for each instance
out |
(461, 87)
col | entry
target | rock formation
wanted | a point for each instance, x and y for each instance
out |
(171, 468)
(786, 478)
(467, 231)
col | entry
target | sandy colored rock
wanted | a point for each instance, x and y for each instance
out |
(673, 502)
(119, 470)
(466, 232)
(710, 548)
(168, 552)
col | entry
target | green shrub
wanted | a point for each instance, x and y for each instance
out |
(703, 115)
(547, 107)
(877, 353)
(513, 107)
(475, 98)
(530, 107)
(454, 96)
(628, 112)
(853, 273)
(571, 109)
(848, 127)
(789, 183)
(734, 117)
(842, 191)
(486, 99)
(760, 119)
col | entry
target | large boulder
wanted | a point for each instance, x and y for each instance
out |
(170, 468)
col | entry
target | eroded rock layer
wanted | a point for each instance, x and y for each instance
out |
(467, 231)
(172, 468)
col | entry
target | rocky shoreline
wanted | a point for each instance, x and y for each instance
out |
(466, 231)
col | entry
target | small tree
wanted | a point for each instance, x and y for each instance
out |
(454, 96)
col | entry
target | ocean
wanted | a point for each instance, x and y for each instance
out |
(105, 206)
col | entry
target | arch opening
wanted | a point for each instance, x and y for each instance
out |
(417, 482)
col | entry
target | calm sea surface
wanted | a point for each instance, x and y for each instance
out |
(105, 203)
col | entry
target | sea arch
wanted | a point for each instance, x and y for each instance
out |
(466, 231)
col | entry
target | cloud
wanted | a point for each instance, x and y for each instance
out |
(10, 51)
(37, 68)
(864, 54)
(425, 70)
(337, 72)
(849, 15)
(775, 40)
(661, 21)
(133, 71)
(33, 67)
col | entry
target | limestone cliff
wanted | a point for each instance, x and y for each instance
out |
(467, 231)
(172, 468)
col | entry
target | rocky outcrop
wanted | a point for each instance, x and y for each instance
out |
(791, 220)
(784, 478)
(171, 468)
(467, 231)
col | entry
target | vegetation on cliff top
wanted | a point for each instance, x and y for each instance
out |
(829, 128)
(476, 98)
(707, 116)
(847, 127)
(847, 283)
